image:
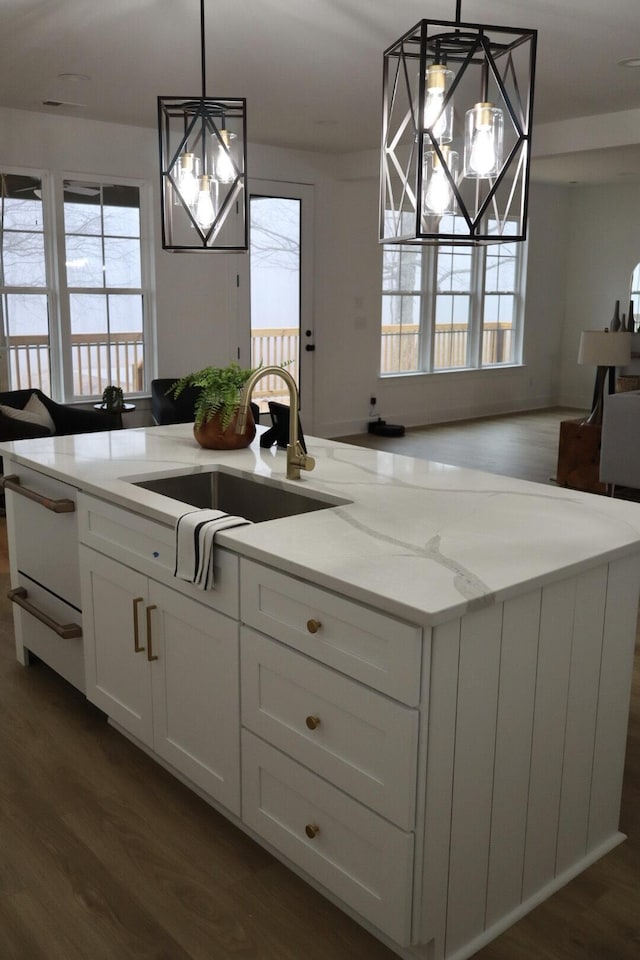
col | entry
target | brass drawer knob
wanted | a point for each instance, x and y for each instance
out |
(313, 626)
(312, 830)
(312, 722)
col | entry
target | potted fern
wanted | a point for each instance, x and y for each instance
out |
(217, 405)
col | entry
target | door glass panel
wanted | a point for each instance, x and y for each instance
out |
(275, 291)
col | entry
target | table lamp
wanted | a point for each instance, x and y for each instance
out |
(603, 350)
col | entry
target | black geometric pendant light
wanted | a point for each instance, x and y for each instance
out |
(203, 159)
(456, 130)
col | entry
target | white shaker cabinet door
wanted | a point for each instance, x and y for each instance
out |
(195, 683)
(118, 679)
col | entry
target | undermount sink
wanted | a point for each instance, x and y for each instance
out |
(254, 498)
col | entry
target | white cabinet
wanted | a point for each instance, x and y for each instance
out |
(165, 669)
(329, 762)
(42, 532)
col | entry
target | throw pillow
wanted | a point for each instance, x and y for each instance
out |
(34, 412)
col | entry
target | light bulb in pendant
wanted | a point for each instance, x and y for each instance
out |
(439, 196)
(225, 170)
(483, 141)
(205, 212)
(437, 117)
(188, 169)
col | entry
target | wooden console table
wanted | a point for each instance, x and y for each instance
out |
(579, 456)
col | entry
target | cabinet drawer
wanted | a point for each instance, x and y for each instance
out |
(44, 544)
(150, 547)
(62, 654)
(370, 646)
(358, 739)
(355, 854)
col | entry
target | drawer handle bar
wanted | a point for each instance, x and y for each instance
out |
(313, 722)
(312, 830)
(313, 626)
(56, 506)
(136, 631)
(150, 655)
(68, 631)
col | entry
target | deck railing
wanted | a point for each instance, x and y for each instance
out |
(400, 347)
(30, 367)
(273, 346)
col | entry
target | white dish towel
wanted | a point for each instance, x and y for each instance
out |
(195, 534)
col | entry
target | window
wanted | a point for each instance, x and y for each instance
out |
(75, 330)
(25, 296)
(450, 307)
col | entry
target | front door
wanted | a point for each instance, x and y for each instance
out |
(280, 290)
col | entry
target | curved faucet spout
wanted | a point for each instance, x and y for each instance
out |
(297, 459)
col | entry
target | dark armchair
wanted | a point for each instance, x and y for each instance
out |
(67, 419)
(170, 409)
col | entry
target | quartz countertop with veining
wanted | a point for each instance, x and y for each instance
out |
(421, 540)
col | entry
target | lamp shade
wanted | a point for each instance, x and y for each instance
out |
(599, 348)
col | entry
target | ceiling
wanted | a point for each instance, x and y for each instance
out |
(311, 70)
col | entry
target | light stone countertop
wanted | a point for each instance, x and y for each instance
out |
(419, 540)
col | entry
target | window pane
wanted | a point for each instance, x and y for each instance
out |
(454, 270)
(82, 209)
(127, 348)
(121, 211)
(451, 332)
(84, 262)
(122, 262)
(497, 340)
(26, 326)
(400, 340)
(89, 351)
(24, 315)
(23, 214)
(23, 259)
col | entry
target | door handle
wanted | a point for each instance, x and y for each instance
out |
(150, 654)
(56, 506)
(138, 648)
(310, 347)
(68, 631)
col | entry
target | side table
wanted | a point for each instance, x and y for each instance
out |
(126, 408)
(579, 456)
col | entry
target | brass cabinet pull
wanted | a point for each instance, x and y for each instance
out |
(56, 506)
(312, 722)
(313, 626)
(68, 631)
(150, 655)
(312, 830)
(136, 630)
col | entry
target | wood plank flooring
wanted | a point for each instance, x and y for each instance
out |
(105, 856)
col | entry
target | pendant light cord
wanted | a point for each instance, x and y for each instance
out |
(202, 53)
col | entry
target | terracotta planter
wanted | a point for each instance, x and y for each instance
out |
(212, 436)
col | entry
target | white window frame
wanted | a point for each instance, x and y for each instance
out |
(478, 295)
(57, 291)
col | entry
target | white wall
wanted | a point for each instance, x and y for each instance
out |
(349, 305)
(604, 248)
(197, 302)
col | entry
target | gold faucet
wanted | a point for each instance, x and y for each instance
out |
(297, 459)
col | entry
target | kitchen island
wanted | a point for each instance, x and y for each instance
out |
(424, 689)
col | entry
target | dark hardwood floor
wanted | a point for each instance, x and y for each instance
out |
(105, 856)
